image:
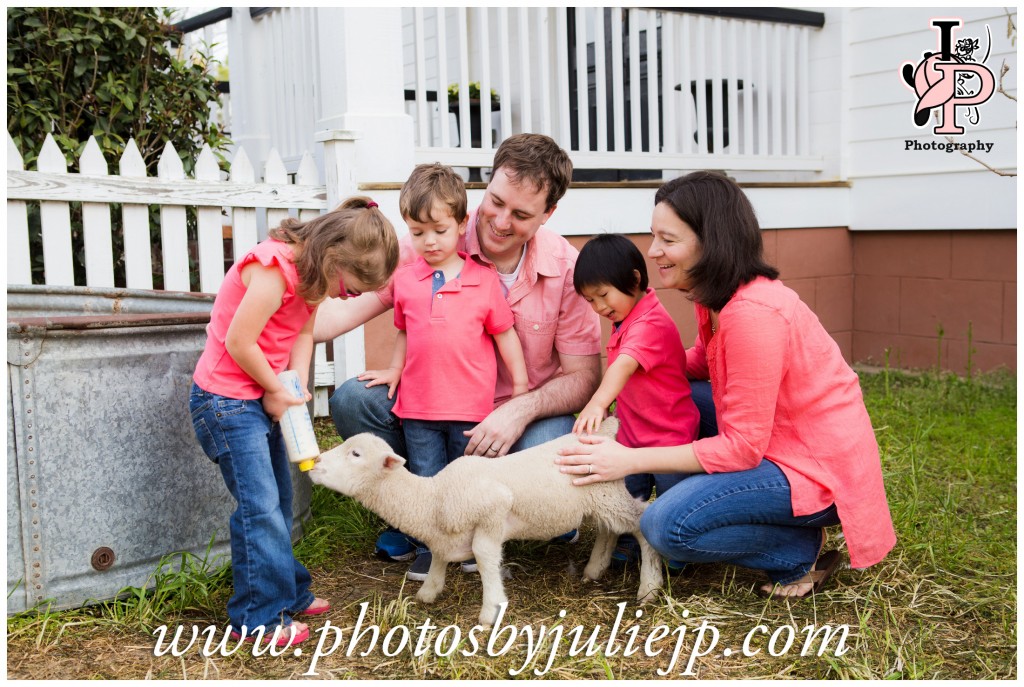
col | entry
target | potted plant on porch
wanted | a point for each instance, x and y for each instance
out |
(474, 109)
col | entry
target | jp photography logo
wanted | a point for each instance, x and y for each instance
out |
(950, 85)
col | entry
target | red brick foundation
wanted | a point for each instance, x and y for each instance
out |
(872, 291)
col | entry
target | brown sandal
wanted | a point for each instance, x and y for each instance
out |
(826, 564)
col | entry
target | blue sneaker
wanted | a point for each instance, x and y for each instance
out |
(570, 537)
(393, 545)
(626, 552)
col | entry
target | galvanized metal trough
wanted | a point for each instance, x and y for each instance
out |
(104, 474)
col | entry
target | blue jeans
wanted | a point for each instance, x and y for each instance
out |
(432, 444)
(270, 585)
(356, 409)
(744, 518)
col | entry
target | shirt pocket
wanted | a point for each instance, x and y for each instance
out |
(538, 340)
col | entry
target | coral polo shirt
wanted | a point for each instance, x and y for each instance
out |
(550, 317)
(655, 407)
(450, 361)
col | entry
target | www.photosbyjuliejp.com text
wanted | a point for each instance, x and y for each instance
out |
(679, 647)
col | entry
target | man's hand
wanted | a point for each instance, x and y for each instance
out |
(497, 432)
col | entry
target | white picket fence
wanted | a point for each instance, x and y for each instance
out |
(214, 198)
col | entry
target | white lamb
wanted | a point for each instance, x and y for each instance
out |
(472, 506)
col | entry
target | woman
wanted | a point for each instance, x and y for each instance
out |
(795, 451)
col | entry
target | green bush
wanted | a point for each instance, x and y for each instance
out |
(115, 73)
(109, 72)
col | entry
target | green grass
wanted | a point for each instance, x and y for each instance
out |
(941, 605)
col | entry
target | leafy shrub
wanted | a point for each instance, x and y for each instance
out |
(115, 73)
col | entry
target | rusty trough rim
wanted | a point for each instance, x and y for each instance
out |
(79, 322)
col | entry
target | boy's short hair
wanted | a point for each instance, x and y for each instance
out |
(427, 184)
(610, 259)
(538, 159)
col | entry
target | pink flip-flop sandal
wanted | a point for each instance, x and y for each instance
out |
(318, 607)
(281, 639)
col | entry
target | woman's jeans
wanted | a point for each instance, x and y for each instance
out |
(270, 585)
(744, 518)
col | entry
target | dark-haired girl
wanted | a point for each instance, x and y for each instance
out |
(794, 453)
(646, 375)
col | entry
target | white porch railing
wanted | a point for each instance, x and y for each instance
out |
(618, 88)
(182, 253)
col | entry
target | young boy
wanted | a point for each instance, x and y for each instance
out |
(451, 314)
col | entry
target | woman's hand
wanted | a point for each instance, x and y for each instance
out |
(390, 376)
(595, 458)
(277, 402)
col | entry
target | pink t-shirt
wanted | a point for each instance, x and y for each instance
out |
(783, 391)
(550, 317)
(654, 408)
(216, 371)
(450, 362)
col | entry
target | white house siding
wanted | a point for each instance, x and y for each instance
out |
(898, 189)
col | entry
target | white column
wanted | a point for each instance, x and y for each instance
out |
(250, 89)
(362, 88)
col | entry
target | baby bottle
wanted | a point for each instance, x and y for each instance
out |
(296, 427)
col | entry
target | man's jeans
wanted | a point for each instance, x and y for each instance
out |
(270, 584)
(744, 518)
(356, 409)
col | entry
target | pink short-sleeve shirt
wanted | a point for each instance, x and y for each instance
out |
(450, 362)
(654, 407)
(550, 317)
(216, 371)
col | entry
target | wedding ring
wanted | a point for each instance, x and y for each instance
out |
(590, 469)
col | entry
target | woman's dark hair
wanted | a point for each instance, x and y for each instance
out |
(720, 214)
(610, 259)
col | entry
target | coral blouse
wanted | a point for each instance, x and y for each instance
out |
(783, 391)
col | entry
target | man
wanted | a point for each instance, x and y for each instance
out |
(559, 331)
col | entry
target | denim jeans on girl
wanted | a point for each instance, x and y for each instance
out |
(744, 518)
(270, 585)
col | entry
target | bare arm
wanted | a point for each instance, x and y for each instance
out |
(511, 351)
(615, 378)
(561, 395)
(264, 290)
(337, 316)
(600, 459)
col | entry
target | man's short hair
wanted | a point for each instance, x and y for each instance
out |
(536, 158)
(428, 184)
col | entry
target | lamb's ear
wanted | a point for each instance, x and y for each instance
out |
(392, 461)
